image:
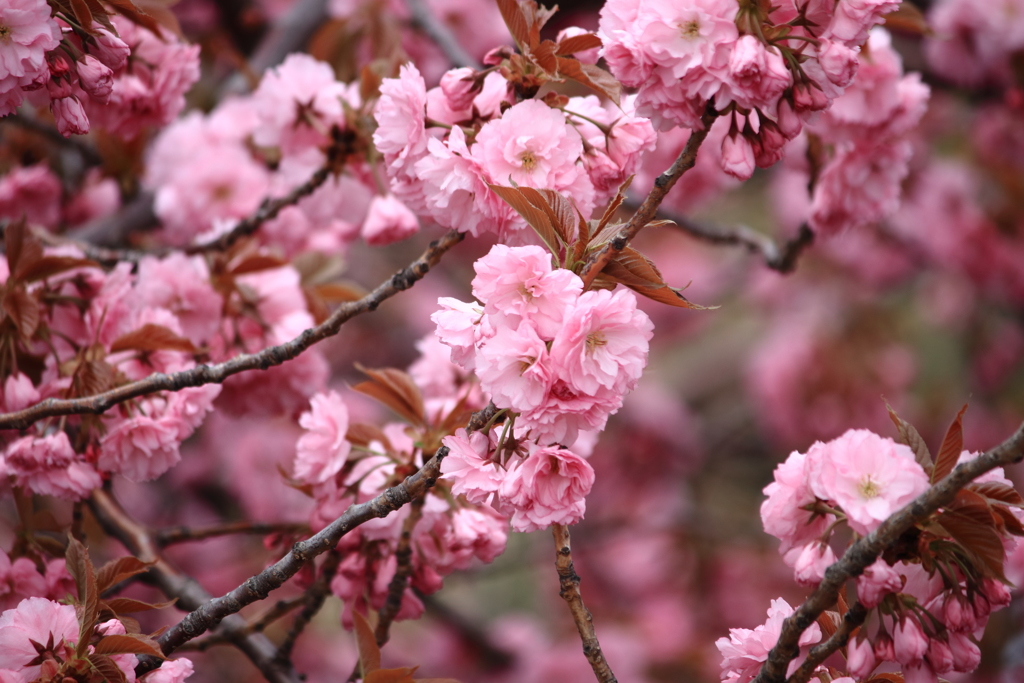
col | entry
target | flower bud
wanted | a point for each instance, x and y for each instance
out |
(96, 78)
(966, 655)
(737, 156)
(956, 615)
(838, 62)
(884, 651)
(812, 562)
(939, 657)
(860, 658)
(109, 49)
(876, 582)
(70, 116)
(460, 87)
(909, 642)
(388, 220)
(789, 123)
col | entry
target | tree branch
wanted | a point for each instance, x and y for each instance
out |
(259, 587)
(396, 589)
(853, 618)
(866, 550)
(189, 594)
(424, 19)
(649, 208)
(181, 534)
(255, 625)
(781, 258)
(269, 357)
(569, 583)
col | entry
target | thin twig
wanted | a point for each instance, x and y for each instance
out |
(427, 22)
(88, 153)
(257, 625)
(649, 208)
(259, 587)
(781, 258)
(189, 594)
(866, 550)
(112, 230)
(569, 583)
(312, 601)
(267, 358)
(181, 534)
(399, 582)
(853, 618)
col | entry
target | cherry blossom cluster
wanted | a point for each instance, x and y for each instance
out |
(122, 80)
(443, 147)
(926, 607)
(973, 42)
(768, 71)
(340, 464)
(82, 330)
(559, 360)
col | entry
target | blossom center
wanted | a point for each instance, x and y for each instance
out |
(869, 488)
(690, 29)
(529, 161)
(222, 192)
(595, 340)
(525, 364)
(5, 33)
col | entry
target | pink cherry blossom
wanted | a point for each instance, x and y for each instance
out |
(868, 476)
(548, 487)
(28, 33)
(322, 451)
(96, 79)
(745, 650)
(39, 620)
(33, 192)
(603, 342)
(514, 369)
(171, 671)
(48, 466)
(877, 581)
(811, 563)
(782, 513)
(401, 134)
(388, 220)
(19, 580)
(470, 467)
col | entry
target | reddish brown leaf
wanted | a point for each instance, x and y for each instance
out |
(369, 653)
(338, 292)
(909, 436)
(584, 41)
(362, 434)
(977, 535)
(952, 446)
(128, 605)
(829, 623)
(93, 377)
(106, 667)
(556, 207)
(394, 389)
(160, 11)
(23, 310)
(514, 18)
(630, 266)
(82, 13)
(14, 241)
(594, 77)
(48, 266)
(127, 644)
(997, 491)
(544, 57)
(152, 337)
(908, 19)
(536, 17)
(121, 569)
(256, 263)
(401, 675)
(536, 218)
(130, 11)
(886, 678)
(80, 567)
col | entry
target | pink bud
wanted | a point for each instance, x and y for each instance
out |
(909, 642)
(997, 593)
(884, 650)
(812, 562)
(737, 156)
(109, 49)
(70, 116)
(459, 87)
(920, 673)
(956, 615)
(790, 124)
(96, 78)
(966, 655)
(939, 657)
(769, 145)
(809, 97)
(876, 582)
(860, 658)
(388, 220)
(57, 88)
(838, 62)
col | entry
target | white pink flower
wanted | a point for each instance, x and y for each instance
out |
(548, 487)
(42, 621)
(49, 466)
(28, 32)
(388, 220)
(745, 650)
(470, 467)
(323, 450)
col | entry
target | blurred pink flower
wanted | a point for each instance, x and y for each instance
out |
(548, 487)
(322, 451)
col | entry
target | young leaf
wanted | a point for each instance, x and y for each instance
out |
(557, 207)
(23, 310)
(514, 18)
(544, 57)
(584, 41)
(48, 266)
(1008, 522)
(909, 436)
(997, 491)
(362, 434)
(80, 567)
(256, 263)
(401, 675)
(152, 337)
(977, 535)
(396, 390)
(369, 653)
(106, 668)
(119, 605)
(126, 644)
(121, 569)
(952, 446)
(594, 77)
(536, 218)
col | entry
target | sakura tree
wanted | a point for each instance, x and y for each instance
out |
(313, 313)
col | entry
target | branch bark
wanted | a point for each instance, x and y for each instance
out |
(569, 582)
(269, 357)
(781, 258)
(399, 582)
(181, 534)
(210, 613)
(312, 601)
(866, 550)
(189, 594)
(853, 618)
(649, 208)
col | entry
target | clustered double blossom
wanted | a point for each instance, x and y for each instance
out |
(559, 360)
(926, 606)
(443, 147)
(121, 80)
(768, 71)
